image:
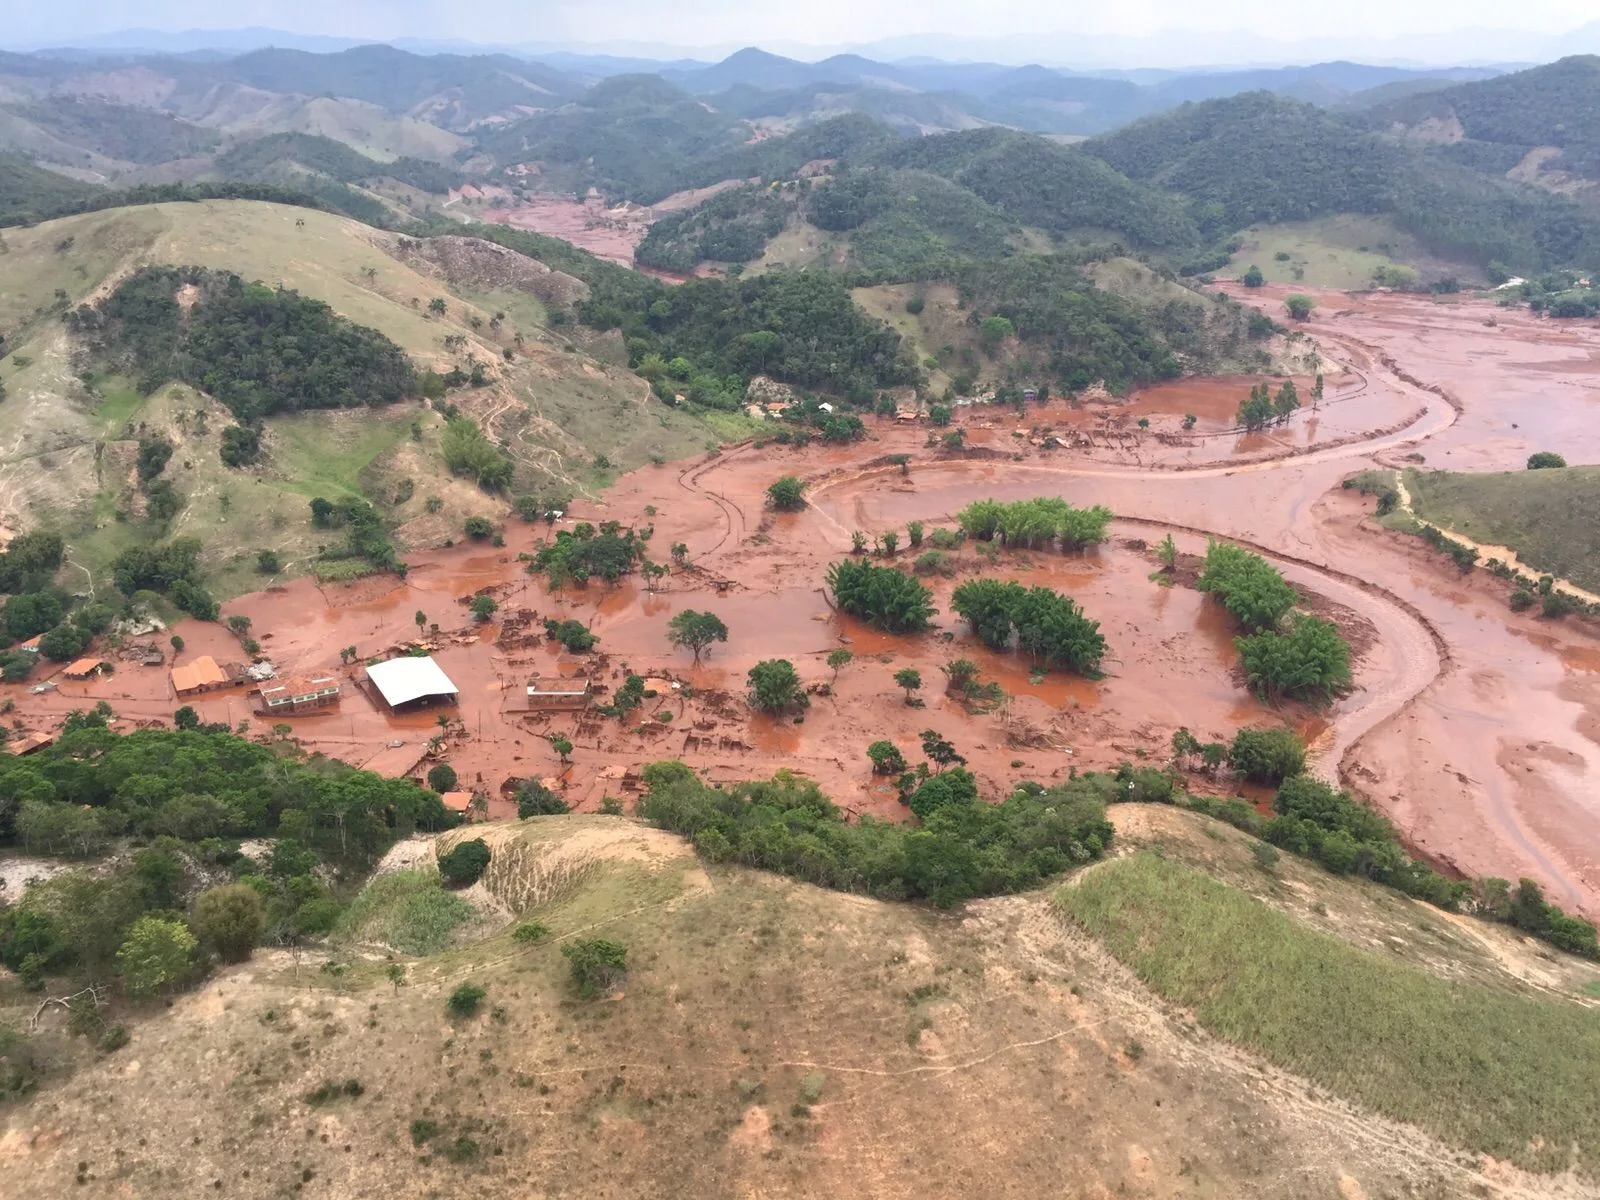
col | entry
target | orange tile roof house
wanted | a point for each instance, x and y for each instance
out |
(299, 695)
(205, 675)
(86, 667)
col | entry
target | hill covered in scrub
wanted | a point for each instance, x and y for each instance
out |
(219, 344)
(707, 1065)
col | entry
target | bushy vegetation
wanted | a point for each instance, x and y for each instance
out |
(1031, 524)
(465, 862)
(889, 599)
(468, 451)
(1249, 587)
(1309, 658)
(706, 338)
(1047, 625)
(963, 849)
(585, 552)
(408, 910)
(1267, 755)
(171, 568)
(190, 795)
(597, 965)
(775, 686)
(365, 536)
(257, 349)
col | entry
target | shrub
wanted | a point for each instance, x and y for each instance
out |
(786, 824)
(529, 931)
(573, 635)
(915, 305)
(536, 800)
(1310, 658)
(442, 777)
(1267, 755)
(267, 562)
(478, 528)
(882, 596)
(230, 920)
(463, 1002)
(465, 863)
(775, 686)
(886, 758)
(1544, 460)
(1522, 600)
(1248, 586)
(597, 965)
(155, 953)
(787, 493)
(484, 607)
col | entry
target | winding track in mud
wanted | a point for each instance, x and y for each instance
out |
(1421, 655)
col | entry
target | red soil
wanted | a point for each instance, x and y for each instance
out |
(1478, 731)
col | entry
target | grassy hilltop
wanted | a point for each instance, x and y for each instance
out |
(771, 1037)
(70, 430)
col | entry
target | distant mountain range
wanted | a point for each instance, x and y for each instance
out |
(1169, 50)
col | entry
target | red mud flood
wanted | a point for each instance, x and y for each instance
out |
(1477, 731)
(589, 224)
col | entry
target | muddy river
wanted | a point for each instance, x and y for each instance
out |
(1476, 730)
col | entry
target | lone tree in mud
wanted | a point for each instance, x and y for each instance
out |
(787, 493)
(691, 630)
(838, 659)
(1299, 306)
(909, 678)
(1253, 278)
(775, 686)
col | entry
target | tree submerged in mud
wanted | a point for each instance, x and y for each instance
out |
(883, 597)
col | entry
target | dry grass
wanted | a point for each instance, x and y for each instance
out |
(1487, 1069)
(770, 1039)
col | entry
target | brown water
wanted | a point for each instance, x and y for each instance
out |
(1476, 730)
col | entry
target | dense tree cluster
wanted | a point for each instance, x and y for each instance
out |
(171, 568)
(1262, 408)
(1086, 334)
(1248, 585)
(1046, 625)
(965, 848)
(585, 552)
(257, 349)
(365, 536)
(732, 226)
(692, 340)
(190, 796)
(1284, 653)
(889, 599)
(1033, 524)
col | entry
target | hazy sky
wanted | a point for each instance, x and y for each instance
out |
(811, 22)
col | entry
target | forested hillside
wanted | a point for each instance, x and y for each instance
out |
(634, 137)
(1503, 119)
(1263, 158)
(257, 349)
(29, 193)
(1056, 188)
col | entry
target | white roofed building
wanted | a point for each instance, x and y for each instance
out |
(402, 682)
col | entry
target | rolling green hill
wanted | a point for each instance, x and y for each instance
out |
(1263, 158)
(1551, 518)
(634, 137)
(70, 457)
(28, 192)
(1055, 188)
(1502, 120)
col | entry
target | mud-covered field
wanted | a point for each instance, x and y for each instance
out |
(1477, 730)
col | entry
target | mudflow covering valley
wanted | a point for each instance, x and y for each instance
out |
(775, 1039)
